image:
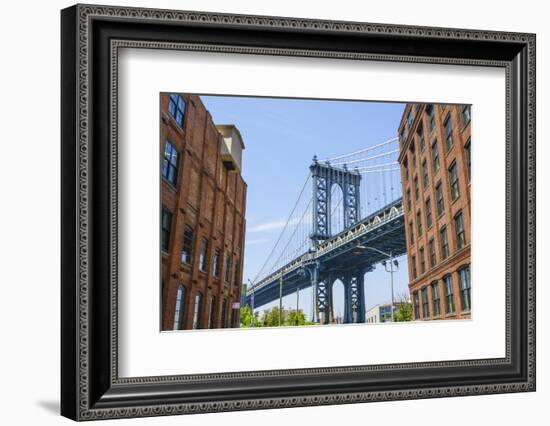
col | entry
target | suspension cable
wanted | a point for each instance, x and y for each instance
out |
(284, 228)
(370, 148)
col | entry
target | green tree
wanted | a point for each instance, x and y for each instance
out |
(404, 313)
(249, 319)
(270, 317)
(295, 317)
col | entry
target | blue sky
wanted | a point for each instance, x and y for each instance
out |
(281, 137)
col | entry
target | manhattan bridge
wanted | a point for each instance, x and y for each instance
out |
(347, 218)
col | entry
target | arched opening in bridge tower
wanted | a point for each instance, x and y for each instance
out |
(336, 209)
(337, 307)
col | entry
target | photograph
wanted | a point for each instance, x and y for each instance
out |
(288, 212)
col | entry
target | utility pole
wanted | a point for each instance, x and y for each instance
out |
(251, 302)
(297, 302)
(280, 299)
(391, 275)
(391, 270)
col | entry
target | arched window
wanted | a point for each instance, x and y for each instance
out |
(436, 300)
(465, 288)
(179, 312)
(197, 311)
(449, 294)
(425, 303)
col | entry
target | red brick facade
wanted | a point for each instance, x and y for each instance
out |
(435, 169)
(202, 221)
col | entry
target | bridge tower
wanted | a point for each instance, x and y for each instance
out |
(324, 176)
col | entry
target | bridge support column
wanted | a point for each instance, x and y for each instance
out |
(361, 296)
(348, 305)
(322, 296)
(357, 296)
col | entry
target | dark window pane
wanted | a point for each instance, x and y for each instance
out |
(187, 248)
(449, 295)
(453, 181)
(448, 132)
(459, 229)
(166, 224)
(465, 289)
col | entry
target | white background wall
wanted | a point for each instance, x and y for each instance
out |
(29, 212)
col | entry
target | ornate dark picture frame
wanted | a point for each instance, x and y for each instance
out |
(91, 36)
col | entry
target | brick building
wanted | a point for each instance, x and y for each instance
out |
(202, 217)
(435, 148)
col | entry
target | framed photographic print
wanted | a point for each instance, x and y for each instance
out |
(263, 212)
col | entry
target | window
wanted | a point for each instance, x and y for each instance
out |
(425, 180)
(431, 115)
(413, 150)
(166, 225)
(416, 190)
(212, 312)
(428, 213)
(436, 302)
(197, 311)
(408, 199)
(411, 233)
(435, 156)
(410, 118)
(187, 249)
(444, 243)
(414, 271)
(422, 261)
(431, 247)
(227, 269)
(449, 295)
(419, 223)
(180, 303)
(468, 153)
(403, 135)
(224, 313)
(453, 181)
(203, 257)
(176, 108)
(236, 275)
(420, 133)
(170, 163)
(425, 303)
(465, 294)
(416, 305)
(439, 199)
(406, 169)
(459, 230)
(216, 263)
(466, 114)
(448, 132)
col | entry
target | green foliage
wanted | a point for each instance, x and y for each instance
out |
(270, 318)
(247, 319)
(404, 313)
